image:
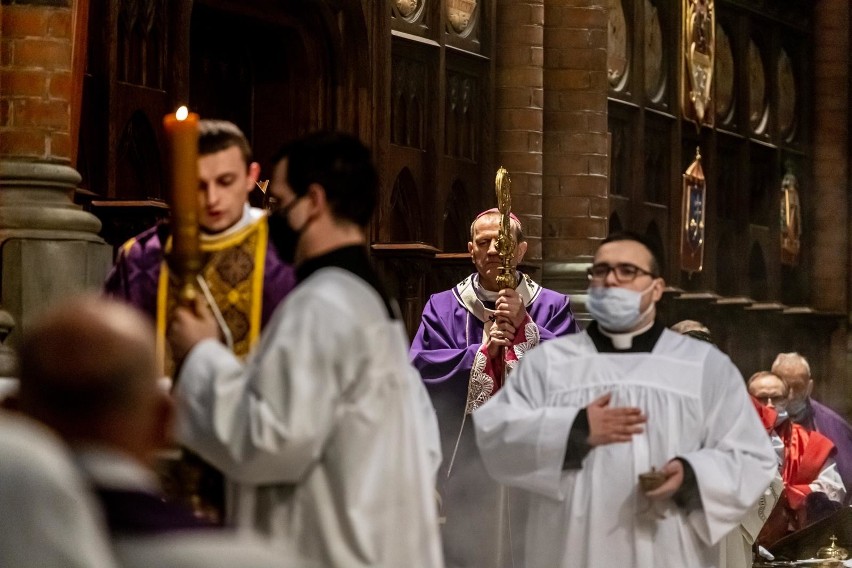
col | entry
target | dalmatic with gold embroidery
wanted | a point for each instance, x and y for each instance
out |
(234, 284)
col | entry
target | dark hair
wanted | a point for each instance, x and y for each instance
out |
(217, 135)
(341, 164)
(637, 238)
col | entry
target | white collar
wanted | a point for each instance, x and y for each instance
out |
(624, 340)
(113, 469)
(466, 294)
(250, 215)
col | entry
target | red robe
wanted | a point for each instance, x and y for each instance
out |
(805, 454)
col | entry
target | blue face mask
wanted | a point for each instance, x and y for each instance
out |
(782, 416)
(617, 309)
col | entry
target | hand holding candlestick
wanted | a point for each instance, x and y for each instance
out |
(185, 257)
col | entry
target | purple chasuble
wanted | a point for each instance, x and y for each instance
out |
(476, 532)
(136, 274)
(831, 425)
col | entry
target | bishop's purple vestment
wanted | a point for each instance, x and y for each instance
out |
(831, 425)
(476, 531)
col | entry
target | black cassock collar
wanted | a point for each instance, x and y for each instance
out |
(642, 343)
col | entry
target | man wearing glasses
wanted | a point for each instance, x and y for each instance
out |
(586, 415)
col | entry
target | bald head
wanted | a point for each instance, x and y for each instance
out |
(796, 372)
(88, 369)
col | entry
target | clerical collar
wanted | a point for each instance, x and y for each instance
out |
(249, 216)
(487, 295)
(356, 260)
(640, 341)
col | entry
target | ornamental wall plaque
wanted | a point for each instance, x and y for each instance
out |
(655, 72)
(724, 79)
(692, 208)
(699, 48)
(407, 8)
(791, 220)
(616, 46)
(460, 15)
(786, 96)
(758, 110)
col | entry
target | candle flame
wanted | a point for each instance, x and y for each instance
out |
(182, 113)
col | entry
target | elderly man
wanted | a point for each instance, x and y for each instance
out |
(459, 350)
(327, 430)
(808, 462)
(586, 415)
(811, 414)
(88, 371)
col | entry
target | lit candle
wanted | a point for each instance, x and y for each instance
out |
(182, 134)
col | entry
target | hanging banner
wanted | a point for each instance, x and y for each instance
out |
(699, 49)
(692, 231)
(791, 220)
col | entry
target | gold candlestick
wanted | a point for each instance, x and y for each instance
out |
(185, 257)
(505, 236)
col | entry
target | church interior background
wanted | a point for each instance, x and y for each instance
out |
(586, 103)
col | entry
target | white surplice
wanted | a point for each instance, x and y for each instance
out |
(327, 430)
(48, 519)
(697, 409)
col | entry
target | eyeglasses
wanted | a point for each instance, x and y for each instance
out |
(624, 272)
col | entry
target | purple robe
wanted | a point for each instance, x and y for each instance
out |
(136, 274)
(476, 532)
(831, 425)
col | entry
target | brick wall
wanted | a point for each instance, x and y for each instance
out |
(518, 110)
(575, 185)
(831, 154)
(35, 81)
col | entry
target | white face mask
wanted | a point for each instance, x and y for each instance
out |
(617, 309)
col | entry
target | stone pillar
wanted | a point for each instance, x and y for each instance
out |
(518, 110)
(49, 246)
(575, 173)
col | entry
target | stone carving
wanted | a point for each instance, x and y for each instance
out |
(407, 8)
(460, 13)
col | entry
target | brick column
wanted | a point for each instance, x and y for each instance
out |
(575, 182)
(518, 110)
(829, 235)
(49, 246)
(831, 155)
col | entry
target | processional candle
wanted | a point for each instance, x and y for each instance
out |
(185, 257)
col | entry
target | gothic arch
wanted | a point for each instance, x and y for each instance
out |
(139, 171)
(458, 215)
(404, 220)
(758, 279)
(615, 225)
(652, 233)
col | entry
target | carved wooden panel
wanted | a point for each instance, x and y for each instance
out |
(462, 116)
(458, 215)
(763, 179)
(621, 145)
(141, 43)
(727, 187)
(657, 151)
(409, 102)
